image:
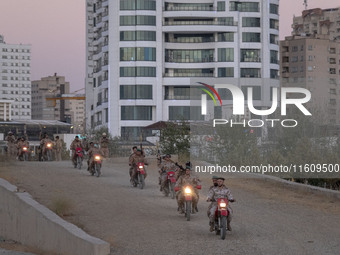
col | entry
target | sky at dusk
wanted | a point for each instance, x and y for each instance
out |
(56, 31)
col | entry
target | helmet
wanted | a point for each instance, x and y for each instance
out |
(10, 133)
(104, 134)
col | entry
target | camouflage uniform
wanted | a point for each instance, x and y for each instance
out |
(11, 148)
(214, 194)
(21, 144)
(131, 166)
(91, 152)
(104, 146)
(58, 147)
(74, 145)
(181, 182)
(165, 167)
(133, 162)
(43, 144)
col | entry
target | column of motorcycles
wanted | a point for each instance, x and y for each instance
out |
(170, 188)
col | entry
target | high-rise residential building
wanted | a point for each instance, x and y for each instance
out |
(143, 54)
(310, 58)
(318, 22)
(77, 111)
(43, 105)
(15, 83)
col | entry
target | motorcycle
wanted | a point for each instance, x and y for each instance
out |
(187, 191)
(221, 214)
(79, 158)
(170, 186)
(49, 151)
(24, 153)
(96, 165)
(140, 176)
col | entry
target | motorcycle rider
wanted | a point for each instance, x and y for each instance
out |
(74, 145)
(43, 144)
(11, 148)
(137, 157)
(214, 180)
(219, 191)
(93, 149)
(166, 166)
(187, 179)
(104, 145)
(22, 142)
(134, 149)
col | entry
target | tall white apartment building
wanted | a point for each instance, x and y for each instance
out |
(142, 56)
(15, 83)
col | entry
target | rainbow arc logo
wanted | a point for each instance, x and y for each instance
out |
(209, 93)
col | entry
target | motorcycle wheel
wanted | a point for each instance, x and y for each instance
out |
(97, 169)
(173, 190)
(49, 156)
(79, 163)
(187, 210)
(141, 181)
(223, 227)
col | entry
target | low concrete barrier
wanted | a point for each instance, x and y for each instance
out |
(26, 221)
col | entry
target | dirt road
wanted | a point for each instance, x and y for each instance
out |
(268, 218)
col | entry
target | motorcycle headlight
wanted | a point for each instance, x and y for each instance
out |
(97, 157)
(49, 145)
(140, 167)
(223, 204)
(187, 190)
(25, 148)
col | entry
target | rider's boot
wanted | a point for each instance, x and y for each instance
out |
(228, 225)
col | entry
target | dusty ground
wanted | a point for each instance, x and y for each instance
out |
(268, 218)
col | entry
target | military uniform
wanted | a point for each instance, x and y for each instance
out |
(11, 147)
(133, 162)
(104, 146)
(58, 147)
(74, 145)
(21, 144)
(165, 167)
(214, 194)
(183, 181)
(91, 152)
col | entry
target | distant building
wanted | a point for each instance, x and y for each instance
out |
(5, 110)
(50, 87)
(310, 59)
(15, 78)
(77, 111)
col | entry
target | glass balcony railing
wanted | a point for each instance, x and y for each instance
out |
(199, 23)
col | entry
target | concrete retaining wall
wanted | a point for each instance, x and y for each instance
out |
(26, 221)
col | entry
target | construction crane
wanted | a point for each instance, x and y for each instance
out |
(71, 96)
(305, 3)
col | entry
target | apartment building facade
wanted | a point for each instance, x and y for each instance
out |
(143, 55)
(15, 78)
(310, 58)
(77, 111)
(50, 87)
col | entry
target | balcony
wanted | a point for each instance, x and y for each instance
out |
(190, 8)
(199, 23)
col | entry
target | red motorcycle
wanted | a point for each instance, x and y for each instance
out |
(79, 158)
(170, 186)
(139, 179)
(96, 165)
(188, 190)
(221, 215)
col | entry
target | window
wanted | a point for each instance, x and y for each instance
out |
(310, 68)
(251, 22)
(185, 112)
(310, 47)
(138, 54)
(138, 20)
(244, 6)
(189, 56)
(134, 133)
(273, 57)
(137, 5)
(250, 55)
(250, 72)
(226, 55)
(135, 91)
(274, 24)
(139, 71)
(136, 112)
(251, 37)
(138, 36)
(226, 72)
(225, 37)
(274, 74)
(310, 58)
(221, 6)
(274, 9)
